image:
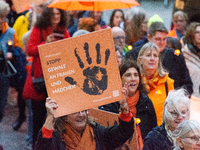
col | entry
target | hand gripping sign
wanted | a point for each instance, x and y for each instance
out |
(81, 72)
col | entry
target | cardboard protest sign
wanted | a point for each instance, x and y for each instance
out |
(81, 72)
(109, 119)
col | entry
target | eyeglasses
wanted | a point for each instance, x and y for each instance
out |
(195, 139)
(176, 114)
(181, 21)
(119, 38)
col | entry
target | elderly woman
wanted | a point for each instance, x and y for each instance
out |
(157, 80)
(49, 27)
(188, 137)
(77, 131)
(139, 103)
(191, 52)
(176, 110)
(6, 52)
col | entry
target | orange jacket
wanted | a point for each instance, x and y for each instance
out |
(158, 96)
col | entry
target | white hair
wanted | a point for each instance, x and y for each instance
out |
(80, 32)
(4, 8)
(175, 98)
(186, 127)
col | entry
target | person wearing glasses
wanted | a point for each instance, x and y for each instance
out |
(188, 137)
(172, 60)
(155, 77)
(119, 39)
(78, 131)
(176, 110)
(180, 22)
(191, 52)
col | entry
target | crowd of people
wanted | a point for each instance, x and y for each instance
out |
(159, 70)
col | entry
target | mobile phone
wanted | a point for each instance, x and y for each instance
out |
(58, 34)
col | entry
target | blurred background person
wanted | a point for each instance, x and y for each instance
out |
(12, 15)
(116, 18)
(174, 43)
(97, 16)
(51, 21)
(180, 20)
(156, 78)
(188, 137)
(137, 27)
(6, 34)
(74, 17)
(191, 52)
(139, 103)
(87, 24)
(119, 39)
(77, 131)
(118, 54)
(176, 110)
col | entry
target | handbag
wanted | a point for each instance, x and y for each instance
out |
(38, 83)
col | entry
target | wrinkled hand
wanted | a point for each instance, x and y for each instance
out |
(51, 105)
(50, 38)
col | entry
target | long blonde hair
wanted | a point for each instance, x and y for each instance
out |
(150, 46)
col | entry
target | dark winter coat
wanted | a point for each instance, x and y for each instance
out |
(145, 111)
(106, 138)
(157, 140)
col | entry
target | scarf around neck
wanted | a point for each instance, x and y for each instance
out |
(132, 102)
(151, 83)
(73, 141)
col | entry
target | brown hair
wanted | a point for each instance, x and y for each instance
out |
(134, 29)
(86, 24)
(190, 32)
(112, 16)
(44, 20)
(129, 63)
(156, 27)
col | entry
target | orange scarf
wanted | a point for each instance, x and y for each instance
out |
(73, 141)
(151, 83)
(132, 102)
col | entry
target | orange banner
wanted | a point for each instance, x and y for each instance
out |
(81, 72)
(109, 119)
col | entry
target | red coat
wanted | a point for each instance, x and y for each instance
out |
(32, 50)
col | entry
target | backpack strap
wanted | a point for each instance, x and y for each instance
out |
(166, 88)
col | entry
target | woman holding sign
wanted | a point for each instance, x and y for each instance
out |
(139, 103)
(50, 27)
(77, 131)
